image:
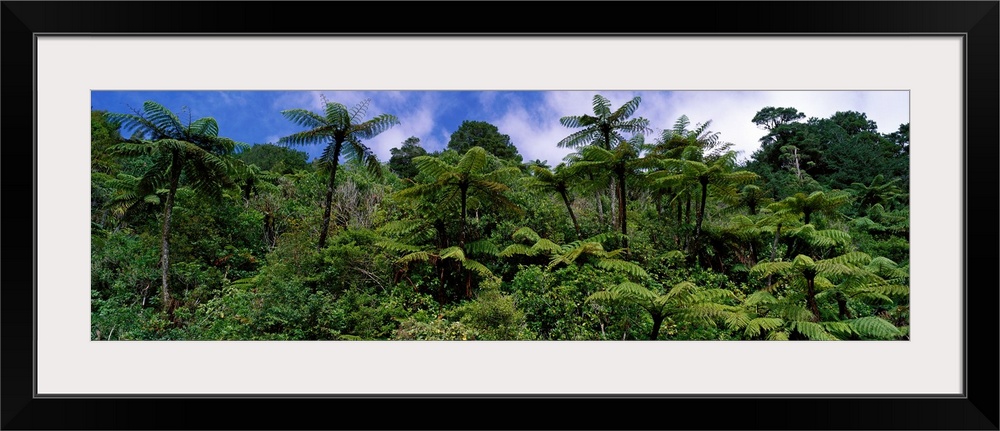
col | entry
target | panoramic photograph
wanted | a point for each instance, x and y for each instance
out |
(583, 215)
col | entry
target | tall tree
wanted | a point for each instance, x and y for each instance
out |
(482, 134)
(770, 117)
(336, 126)
(557, 181)
(622, 162)
(193, 149)
(606, 129)
(401, 161)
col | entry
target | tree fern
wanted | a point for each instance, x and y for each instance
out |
(339, 126)
(874, 327)
(684, 300)
(194, 149)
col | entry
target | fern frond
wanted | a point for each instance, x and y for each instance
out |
(432, 166)
(760, 297)
(634, 290)
(132, 148)
(680, 289)
(477, 267)
(882, 265)
(359, 110)
(712, 295)
(761, 324)
(165, 121)
(337, 114)
(544, 246)
(812, 331)
(738, 319)
(856, 258)
(705, 312)
(896, 290)
(304, 118)
(453, 252)
(874, 327)
(515, 249)
(777, 336)
(874, 297)
(319, 135)
(764, 269)
(840, 329)
(526, 234)
(623, 267)
(627, 109)
(375, 126)
(397, 247)
(418, 256)
(792, 312)
(482, 246)
(578, 138)
(473, 161)
(603, 295)
(206, 126)
(400, 227)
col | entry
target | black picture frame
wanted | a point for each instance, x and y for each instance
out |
(977, 21)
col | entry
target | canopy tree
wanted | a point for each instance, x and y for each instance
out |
(482, 134)
(401, 161)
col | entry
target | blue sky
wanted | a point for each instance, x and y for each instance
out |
(531, 118)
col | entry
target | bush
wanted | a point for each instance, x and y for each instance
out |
(493, 315)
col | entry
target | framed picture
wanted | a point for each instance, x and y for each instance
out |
(940, 57)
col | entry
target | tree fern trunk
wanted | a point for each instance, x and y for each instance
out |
(680, 223)
(168, 207)
(687, 210)
(269, 233)
(612, 208)
(571, 215)
(700, 214)
(657, 322)
(461, 233)
(324, 229)
(843, 311)
(774, 249)
(622, 219)
(658, 200)
(811, 298)
(442, 286)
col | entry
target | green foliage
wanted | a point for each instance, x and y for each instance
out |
(482, 134)
(336, 127)
(493, 315)
(401, 160)
(434, 330)
(808, 240)
(275, 158)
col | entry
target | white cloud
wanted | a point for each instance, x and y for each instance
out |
(534, 133)
(533, 122)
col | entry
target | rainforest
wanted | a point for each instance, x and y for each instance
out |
(641, 230)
